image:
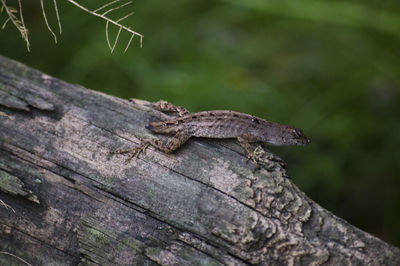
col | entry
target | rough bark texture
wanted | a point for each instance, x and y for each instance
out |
(72, 202)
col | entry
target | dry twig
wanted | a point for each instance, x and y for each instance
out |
(15, 256)
(16, 17)
(6, 206)
(18, 22)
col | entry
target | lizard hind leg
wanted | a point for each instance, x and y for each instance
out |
(172, 144)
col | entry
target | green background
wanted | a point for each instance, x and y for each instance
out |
(331, 68)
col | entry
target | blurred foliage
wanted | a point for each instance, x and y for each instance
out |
(329, 67)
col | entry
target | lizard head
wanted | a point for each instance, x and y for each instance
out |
(286, 135)
(294, 136)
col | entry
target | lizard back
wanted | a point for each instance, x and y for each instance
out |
(230, 124)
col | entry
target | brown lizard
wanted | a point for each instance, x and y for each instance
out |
(218, 124)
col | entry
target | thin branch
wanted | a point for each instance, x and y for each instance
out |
(129, 43)
(47, 23)
(102, 16)
(18, 23)
(58, 15)
(108, 38)
(5, 23)
(20, 14)
(106, 5)
(121, 19)
(116, 39)
(12, 255)
(6, 206)
(116, 8)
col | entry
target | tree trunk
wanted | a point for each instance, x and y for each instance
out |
(66, 200)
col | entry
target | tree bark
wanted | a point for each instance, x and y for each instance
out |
(66, 200)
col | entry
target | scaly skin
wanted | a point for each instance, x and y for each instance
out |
(218, 124)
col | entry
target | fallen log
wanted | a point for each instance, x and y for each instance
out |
(65, 200)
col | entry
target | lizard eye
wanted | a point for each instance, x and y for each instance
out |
(297, 133)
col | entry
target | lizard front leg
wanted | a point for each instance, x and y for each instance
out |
(252, 153)
(256, 154)
(172, 144)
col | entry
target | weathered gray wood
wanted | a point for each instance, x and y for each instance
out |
(203, 205)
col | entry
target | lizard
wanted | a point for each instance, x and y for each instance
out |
(219, 124)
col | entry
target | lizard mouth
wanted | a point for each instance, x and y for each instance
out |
(305, 141)
(302, 141)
